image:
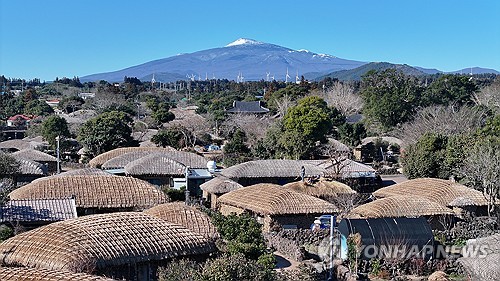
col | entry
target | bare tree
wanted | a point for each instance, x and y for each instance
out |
(482, 170)
(255, 127)
(283, 104)
(489, 96)
(443, 120)
(342, 97)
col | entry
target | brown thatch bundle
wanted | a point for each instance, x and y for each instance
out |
(220, 185)
(121, 161)
(399, 206)
(155, 164)
(322, 188)
(84, 172)
(444, 192)
(187, 216)
(34, 155)
(94, 242)
(29, 167)
(272, 199)
(94, 191)
(438, 276)
(102, 158)
(273, 168)
(40, 274)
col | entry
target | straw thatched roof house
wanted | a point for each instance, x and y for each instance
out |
(121, 245)
(485, 266)
(271, 171)
(217, 186)
(400, 206)
(275, 206)
(322, 188)
(84, 172)
(37, 156)
(119, 162)
(100, 159)
(445, 192)
(187, 216)
(95, 193)
(23, 273)
(35, 212)
(29, 171)
(17, 144)
(404, 206)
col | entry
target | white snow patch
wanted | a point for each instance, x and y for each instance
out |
(323, 56)
(303, 51)
(244, 41)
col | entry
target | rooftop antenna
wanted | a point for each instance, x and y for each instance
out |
(267, 76)
(287, 76)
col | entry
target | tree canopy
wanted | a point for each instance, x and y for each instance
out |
(105, 132)
(54, 126)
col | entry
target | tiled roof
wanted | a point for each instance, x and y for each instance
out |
(247, 107)
(35, 210)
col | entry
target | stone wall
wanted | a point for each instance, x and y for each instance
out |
(297, 244)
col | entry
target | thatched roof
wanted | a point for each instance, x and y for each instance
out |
(485, 265)
(19, 144)
(272, 199)
(390, 140)
(23, 273)
(187, 216)
(321, 188)
(119, 162)
(38, 210)
(444, 192)
(29, 167)
(339, 146)
(34, 155)
(102, 158)
(343, 167)
(84, 172)
(399, 206)
(93, 191)
(220, 185)
(155, 164)
(165, 163)
(100, 241)
(274, 168)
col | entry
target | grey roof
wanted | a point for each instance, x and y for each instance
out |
(29, 167)
(34, 155)
(36, 210)
(247, 107)
(121, 161)
(220, 185)
(155, 164)
(273, 168)
(347, 166)
(19, 144)
(84, 171)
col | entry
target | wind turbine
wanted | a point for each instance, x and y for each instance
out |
(297, 79)
(267, 76)
(287, 76)
(153, 81)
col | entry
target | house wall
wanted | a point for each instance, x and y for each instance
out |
(301, 221)
(228, 209)
(280, 181)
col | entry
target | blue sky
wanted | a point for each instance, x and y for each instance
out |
(50, 38)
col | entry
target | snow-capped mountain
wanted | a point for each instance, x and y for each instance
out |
(246, 59)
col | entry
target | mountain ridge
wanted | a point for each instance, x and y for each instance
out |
(244, 60)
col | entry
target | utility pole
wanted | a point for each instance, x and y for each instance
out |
(58, 156)
(186, 193)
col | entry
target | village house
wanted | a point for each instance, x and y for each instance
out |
(47, 160)
(458, 197)
(128, 245)
(19, 120)
(275, 207)
(216, 187)
(95, 193)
